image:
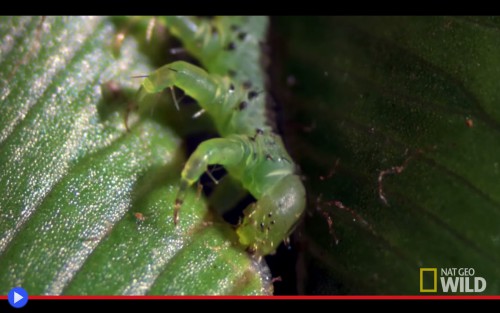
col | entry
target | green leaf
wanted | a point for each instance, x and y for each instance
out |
(73, 180)
(415, 101)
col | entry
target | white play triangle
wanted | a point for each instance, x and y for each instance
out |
(17, 297)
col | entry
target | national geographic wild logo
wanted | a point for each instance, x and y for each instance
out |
(451, 280)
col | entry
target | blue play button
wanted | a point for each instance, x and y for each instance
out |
(18, 297)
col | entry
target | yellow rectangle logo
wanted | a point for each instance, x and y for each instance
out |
(434, 288)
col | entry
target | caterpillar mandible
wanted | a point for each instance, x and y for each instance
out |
(231, 90)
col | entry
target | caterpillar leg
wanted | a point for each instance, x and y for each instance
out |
(273, 217)
(219, 96)
(195, 82)
(222, 151)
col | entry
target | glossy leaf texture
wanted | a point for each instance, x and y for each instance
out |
(405, 109)
(85, 205)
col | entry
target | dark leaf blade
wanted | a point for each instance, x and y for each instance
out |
(410, 100)
(85, 206)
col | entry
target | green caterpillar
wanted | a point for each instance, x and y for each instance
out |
(231, 90)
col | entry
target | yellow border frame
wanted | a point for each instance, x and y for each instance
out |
(422, 270)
